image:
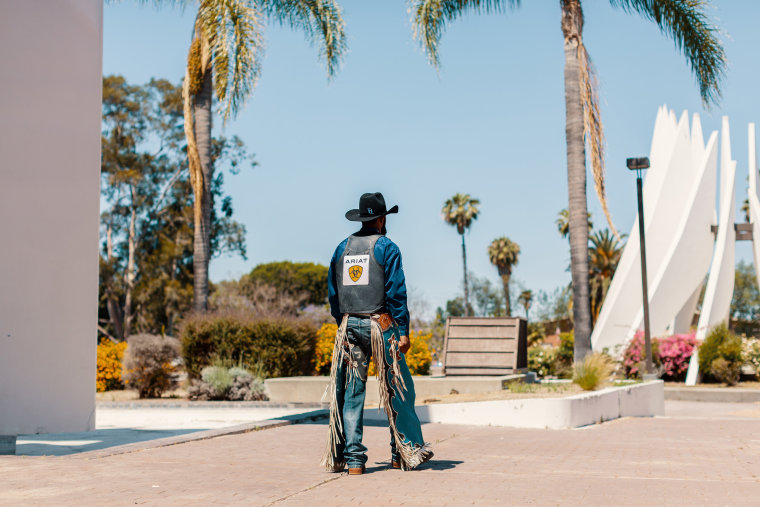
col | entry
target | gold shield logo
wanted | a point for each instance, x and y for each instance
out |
(355, 272)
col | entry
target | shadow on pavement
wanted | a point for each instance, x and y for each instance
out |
(62, 444)
(440, 464)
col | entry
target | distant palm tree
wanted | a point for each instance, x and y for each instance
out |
(223, 63)
(563, 223)
(684, 21)
(604, 255)
(503, 253)
(460, 211)
(526, 300)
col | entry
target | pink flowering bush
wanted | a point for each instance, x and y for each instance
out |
(670, 355)
(634, 355)
(675, 353)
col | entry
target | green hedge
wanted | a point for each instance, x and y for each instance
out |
(280, 347)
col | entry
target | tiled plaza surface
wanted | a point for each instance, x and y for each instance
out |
(705, 454)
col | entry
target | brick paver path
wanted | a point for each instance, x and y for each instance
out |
(662, 461)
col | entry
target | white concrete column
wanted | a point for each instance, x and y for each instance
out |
(50, 114)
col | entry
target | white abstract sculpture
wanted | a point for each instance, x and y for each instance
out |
(679, 212)
(679, 244)
(720, 283)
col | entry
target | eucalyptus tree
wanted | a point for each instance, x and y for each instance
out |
(503, 253)
(223, 65)
(684, 21)
(459, 212)
(146, 256)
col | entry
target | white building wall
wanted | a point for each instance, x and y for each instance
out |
(51, 65)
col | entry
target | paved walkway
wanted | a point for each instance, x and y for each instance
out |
(696, 456)
(121, 425)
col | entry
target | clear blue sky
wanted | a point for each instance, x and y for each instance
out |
(490, 123)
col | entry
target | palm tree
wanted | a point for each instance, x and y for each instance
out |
(503, 253)
(684, 21)
(460, 211)
(604, 253)
(223, 64)
(563, 223)
(526, 300)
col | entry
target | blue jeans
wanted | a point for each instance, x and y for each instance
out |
(350, 397)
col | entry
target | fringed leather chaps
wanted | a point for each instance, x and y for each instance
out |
(396, 394)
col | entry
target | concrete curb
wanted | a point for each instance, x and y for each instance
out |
(638, 400)
(179, 403)
(712, 394)
(287, 420)
(310, 389)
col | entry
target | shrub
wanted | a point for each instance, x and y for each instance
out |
(324, 348)
(563, 366)
(634, 355)
(110, 356)
(725, 371)
(283, 347)
(674, 353)
(418, 357)
(541, 359)
(751, 353)
(720, 343)
(221, 383)
(593, 372)
(148, 364)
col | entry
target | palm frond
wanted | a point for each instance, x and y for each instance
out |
(234, 31)
(157, 3)
(430, 18)
(686, 23)
(318, 19)
(593, 128)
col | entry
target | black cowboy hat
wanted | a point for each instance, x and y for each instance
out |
(371, 206)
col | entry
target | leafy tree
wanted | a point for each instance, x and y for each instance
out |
(604, 253)
(223, 64)
(554, 305)
(460, 211)
(487, 300)
(745, 304)
(296, 279)
(503, 253)
(146, 226)
(684, 21)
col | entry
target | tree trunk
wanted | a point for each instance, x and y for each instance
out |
(466, 289)
(129, 276)
(112, 303)
(202, 232)
(505, 282)
(572, 28)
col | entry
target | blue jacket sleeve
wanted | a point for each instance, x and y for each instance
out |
(395, 285)
(332, 284)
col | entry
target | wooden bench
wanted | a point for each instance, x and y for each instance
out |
(485, 345)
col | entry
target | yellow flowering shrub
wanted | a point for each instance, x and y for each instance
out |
(110, 356)
(324, 348)
(418, 358)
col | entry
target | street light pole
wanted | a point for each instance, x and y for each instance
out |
(638, 164)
